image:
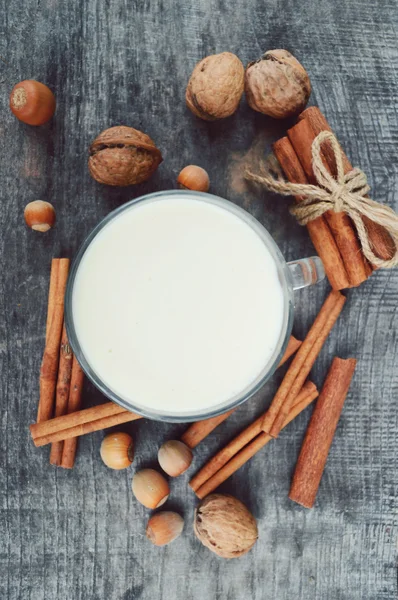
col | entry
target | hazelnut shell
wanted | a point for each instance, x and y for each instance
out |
(39, 215)
(174, 457)
(117, 450)
(216, 86)
(150, 488)
(225, 526)
(195, 178)
(32, 102)
(122, 156)
(277, 85)
(164, 527)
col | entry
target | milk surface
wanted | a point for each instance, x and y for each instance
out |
(177, 305)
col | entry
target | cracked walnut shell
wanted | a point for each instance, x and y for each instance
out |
(277, 84)
(123, 156)
(225, 526)
(216, 86)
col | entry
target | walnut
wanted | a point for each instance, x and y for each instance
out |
(277, 84)
(123, 156)
(225, 526)
(216, 86)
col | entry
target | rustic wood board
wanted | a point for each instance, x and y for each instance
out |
(80, 535)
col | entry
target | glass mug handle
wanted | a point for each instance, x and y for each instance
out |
(306, 271)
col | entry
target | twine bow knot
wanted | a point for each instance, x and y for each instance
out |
(344, 193)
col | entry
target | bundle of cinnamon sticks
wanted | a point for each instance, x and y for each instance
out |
(332, 234)
(61, 377)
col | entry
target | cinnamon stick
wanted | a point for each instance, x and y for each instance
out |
(91, 426)
(62, 391)
(241, 458)
(320, 432)
(51, 293)
(318, 229)
(302, 364)
(198, 431)
(240, 441)
(80, 422)
(301, 137)
(75, 432)
(292, 346)
(77, 418)
(74, 403)
(49, 366)
(381, 241)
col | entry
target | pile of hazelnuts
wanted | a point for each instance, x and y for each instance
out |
(149, 486)
(222, 523)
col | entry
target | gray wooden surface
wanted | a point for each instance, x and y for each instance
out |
(80, 534)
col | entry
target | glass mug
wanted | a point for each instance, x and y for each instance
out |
(292, 276)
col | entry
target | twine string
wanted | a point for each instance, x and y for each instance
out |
(344, 193)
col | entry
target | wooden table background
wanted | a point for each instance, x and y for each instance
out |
(79, 534)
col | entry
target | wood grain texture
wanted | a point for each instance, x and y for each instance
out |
(79, 535)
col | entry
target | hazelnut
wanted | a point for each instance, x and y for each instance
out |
(225, 526)
(150, 488)
(32, 102)
(39, 215)
(216, 86)
(194, 178)
(123, 156)
(277, 84)
(174, 457)
(117, 450)
(164, 527)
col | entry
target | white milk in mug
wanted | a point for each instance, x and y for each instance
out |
(179, 305)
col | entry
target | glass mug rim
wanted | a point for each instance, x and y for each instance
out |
(285, 280)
